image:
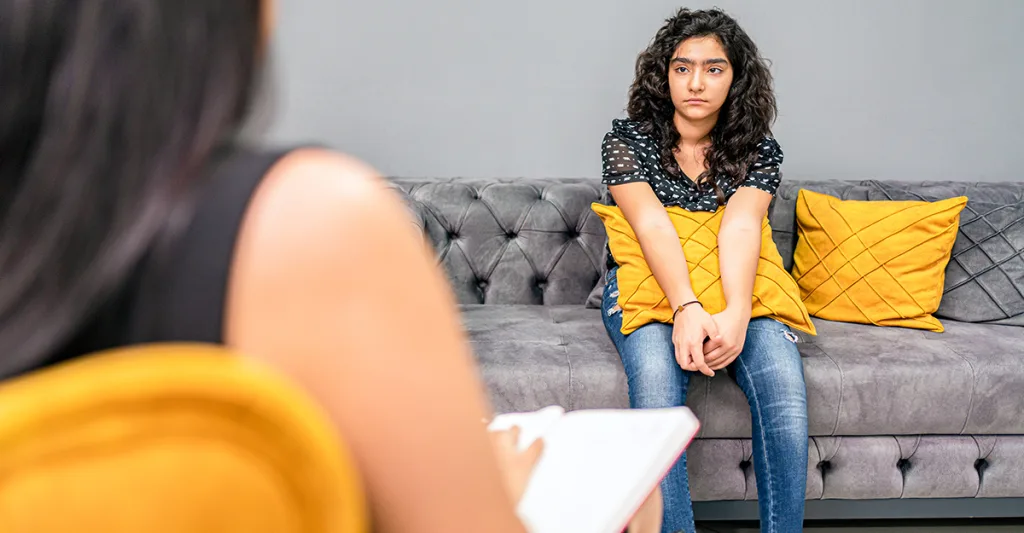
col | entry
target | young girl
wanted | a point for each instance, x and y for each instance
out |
(698, 137)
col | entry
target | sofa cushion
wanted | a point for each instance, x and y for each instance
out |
(861, 380)
(866, 380)
(985, 276)
(534, 356)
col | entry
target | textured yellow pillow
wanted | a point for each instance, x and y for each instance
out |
(642, 300)
(880, 263)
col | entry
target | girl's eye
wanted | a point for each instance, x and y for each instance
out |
(681, 70)
(715, 70)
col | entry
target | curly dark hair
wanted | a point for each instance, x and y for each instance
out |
(745, 118)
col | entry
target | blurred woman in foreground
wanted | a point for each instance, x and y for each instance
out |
(131, 214)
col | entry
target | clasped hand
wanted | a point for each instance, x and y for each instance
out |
(704, 342)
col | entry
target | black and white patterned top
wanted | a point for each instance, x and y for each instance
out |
(629, 155)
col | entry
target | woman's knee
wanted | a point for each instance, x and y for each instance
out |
(770, 372)
(770, 354)
(655, 378)
(649, 351)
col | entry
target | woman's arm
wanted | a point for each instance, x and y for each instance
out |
(739, 247)
(660, 245)
(658, 239)
(332, 286)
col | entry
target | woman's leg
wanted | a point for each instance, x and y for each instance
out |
(655, 380)
(771, 374)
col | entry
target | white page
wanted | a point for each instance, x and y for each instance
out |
(598, 466)
(531, 425)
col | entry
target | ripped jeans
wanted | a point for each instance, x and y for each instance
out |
(770, 373)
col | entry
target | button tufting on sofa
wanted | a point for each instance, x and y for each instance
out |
(514, 231)
(981, 465)
(903, 465)
(859, 468)
(926, 416)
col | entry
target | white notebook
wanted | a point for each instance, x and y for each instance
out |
(598, 466)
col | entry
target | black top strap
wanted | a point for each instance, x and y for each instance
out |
(183, 286)
(177, 293)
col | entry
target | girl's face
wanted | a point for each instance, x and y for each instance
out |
(699, 78)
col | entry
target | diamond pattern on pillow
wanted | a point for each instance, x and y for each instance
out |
(878, 263)
(642, 300)
(985, 276)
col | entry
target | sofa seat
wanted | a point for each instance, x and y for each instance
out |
(532, 356)
(861, 380)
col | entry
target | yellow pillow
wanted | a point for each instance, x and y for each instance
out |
(642, 300)
(880, 263)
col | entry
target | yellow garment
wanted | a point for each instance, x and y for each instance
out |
(642, 299)
(171, 438)
(881, 263)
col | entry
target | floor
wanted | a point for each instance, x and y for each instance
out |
(883, 527)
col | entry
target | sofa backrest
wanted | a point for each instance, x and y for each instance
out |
(783, 211)
(527, 242)
(537, 242)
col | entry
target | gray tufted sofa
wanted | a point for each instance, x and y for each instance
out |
(903, 423)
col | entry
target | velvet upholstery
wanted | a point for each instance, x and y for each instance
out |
(893, 412)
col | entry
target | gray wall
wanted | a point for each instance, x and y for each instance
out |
(900, 89)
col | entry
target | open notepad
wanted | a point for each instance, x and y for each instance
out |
(598, 466)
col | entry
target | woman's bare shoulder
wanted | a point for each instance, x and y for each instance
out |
(314, 197)
(317, 182)
(318, 222)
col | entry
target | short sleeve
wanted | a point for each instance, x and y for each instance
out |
(764, 173)
(619, 162)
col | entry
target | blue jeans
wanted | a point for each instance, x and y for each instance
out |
(770, 373)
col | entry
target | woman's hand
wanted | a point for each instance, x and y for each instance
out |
(516, 466)
(648, 518)
(727, 346)
(691, 327)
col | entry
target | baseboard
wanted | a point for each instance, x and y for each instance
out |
(873, 509)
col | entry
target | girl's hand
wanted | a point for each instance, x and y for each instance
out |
(728, 344)
(691, 327)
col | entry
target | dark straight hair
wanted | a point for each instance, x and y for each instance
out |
(109, 111)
